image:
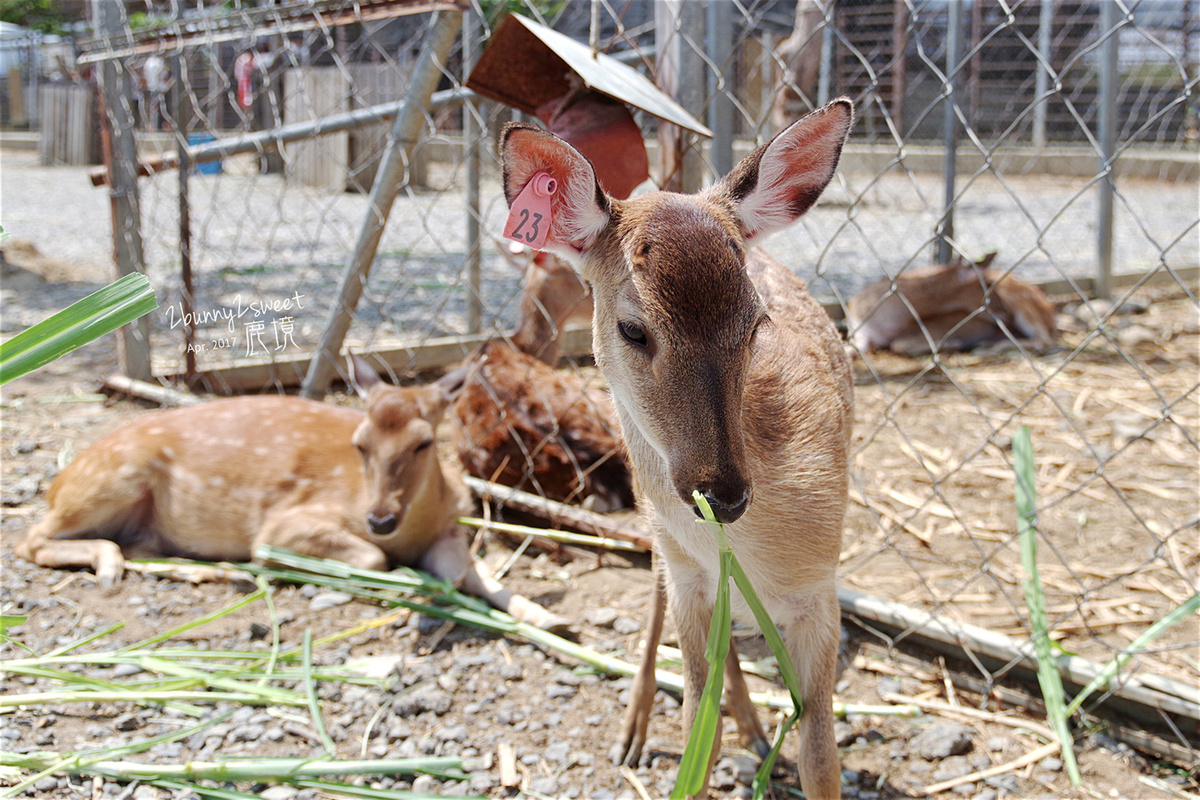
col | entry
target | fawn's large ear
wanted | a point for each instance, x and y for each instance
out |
(579, 207)
(432, 402)
(362, 375)
(773, 186)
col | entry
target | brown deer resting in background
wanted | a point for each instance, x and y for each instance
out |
(730, 380)
(950, 307)
(216, 480)
(522, 423)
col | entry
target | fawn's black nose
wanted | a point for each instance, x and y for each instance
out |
(382, 526)
(725, 509)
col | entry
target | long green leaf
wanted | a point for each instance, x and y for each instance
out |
(1048, 675)
(99, 313)
(693, 767)
(1185, 609)
(256, 769)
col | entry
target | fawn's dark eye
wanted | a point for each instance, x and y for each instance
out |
(423, 446)
(632, 334)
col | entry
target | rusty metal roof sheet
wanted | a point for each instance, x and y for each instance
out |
(526, 65)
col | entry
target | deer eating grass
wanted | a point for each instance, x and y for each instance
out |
(217, 480)
(730, 380)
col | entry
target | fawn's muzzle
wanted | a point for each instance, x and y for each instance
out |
(382, 526)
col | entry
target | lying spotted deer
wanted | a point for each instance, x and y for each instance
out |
(217, 480)
(730, 380)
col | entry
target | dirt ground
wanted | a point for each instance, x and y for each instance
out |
(931, 526)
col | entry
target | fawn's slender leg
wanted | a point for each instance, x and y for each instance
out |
(641, 694)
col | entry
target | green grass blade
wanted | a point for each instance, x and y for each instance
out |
(693, 767)
(314, 705)
(330, 789)
(245, 769)
(99, 313)
(78, 643)
(1185, 609)
(196, 623)
(1049, 677)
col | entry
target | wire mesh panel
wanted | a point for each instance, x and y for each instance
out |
(980, 130)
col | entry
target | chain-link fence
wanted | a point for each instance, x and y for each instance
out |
(1062, 136)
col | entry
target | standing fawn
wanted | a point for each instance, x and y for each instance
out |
(730, 380)
(217, 480)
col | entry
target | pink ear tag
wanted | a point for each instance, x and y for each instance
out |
(529, 215)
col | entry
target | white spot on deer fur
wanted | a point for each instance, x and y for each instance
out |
(156, 431)
(216, 481)
(337, 471)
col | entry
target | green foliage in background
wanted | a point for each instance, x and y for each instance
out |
(38, 15)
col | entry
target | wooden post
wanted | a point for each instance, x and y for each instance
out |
(120, 158)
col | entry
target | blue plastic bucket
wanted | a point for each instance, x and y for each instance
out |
(205, 167)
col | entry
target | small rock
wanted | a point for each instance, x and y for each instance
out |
(558, 752)
(452, 733)
(125, 670)
(1051, 764)
(844, 733)
(127, 722)
(742, 768)
(430, 698)
(627, 625)
(511, 672)
(547, 786)
(25, 447)
(259, 631)
(247, 733)
(942, 740)
(566, 677)
(325, 600)
(952, 767)
(279, 793)
(557, 691)
(425, 784)
(19, 492)
(46, 784)
(602, 617)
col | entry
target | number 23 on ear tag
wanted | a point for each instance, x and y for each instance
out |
(529, 215)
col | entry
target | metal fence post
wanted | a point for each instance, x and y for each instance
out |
(719, 45)
(827, 74)
(133, 340)
(945, 231)
(180, 115)
(679, 31)
(1107, 136)
(473, 138)
(1045, 23)
(388, 180)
